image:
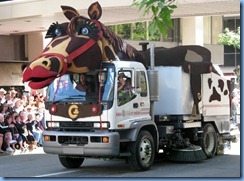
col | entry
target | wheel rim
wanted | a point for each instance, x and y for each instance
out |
(209, 142)
(145, 151)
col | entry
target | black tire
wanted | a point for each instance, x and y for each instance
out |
(70, 162)
(142, 152)
(209, 140)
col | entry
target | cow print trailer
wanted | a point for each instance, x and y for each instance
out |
(81, 44)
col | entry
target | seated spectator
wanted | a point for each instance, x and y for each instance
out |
(13, 130)
(39, 123)
(6, 134)
(24, 100)
(13, 116)
(2, 94)
(12, 94)
(10, 106)
(32, 101)
(23, 116)
(17, 105)
(4, 109)
(39, 127)
(30, 123)
(22, 129)
(7, 97)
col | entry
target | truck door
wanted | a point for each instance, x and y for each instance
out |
(131, 96)
(141, 88)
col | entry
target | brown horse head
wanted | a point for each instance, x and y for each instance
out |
(77, 46)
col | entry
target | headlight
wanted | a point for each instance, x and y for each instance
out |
(53, 124)
(97, 125)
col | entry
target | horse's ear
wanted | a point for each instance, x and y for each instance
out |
(95, 11)
(69, 12)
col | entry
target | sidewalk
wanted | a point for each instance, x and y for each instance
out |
(38, 150)
(235, 146)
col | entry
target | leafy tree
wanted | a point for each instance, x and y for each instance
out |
(161, 18)
(230, 38)
(139, 32)
(123, 31)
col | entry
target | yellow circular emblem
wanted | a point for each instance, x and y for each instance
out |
(73, 111)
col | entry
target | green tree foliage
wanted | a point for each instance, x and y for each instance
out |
(230, 38)
(161, 18)
(123, 31)
(139, 32)
(155, 36)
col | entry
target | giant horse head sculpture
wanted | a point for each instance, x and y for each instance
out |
(77, 46)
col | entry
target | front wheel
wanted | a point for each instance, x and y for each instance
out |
(70, 162)
(209, 140)
(142, 152)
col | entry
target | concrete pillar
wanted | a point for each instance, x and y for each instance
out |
(192, 31)
(35, 45)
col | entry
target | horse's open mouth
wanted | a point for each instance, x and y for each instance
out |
(38, 83)
(39, 77)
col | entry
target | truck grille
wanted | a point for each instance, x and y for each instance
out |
(78, 140)
(73, 126)
(76, 124)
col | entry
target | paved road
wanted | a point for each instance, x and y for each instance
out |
(38, 164)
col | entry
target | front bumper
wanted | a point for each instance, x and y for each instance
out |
(85, 144)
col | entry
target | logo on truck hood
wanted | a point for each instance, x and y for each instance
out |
(73, 111)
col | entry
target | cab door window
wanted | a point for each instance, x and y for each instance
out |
(141, 83)
(124, 90)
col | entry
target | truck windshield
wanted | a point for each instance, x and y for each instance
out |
(94, 86)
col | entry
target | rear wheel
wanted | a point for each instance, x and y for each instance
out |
(142, 152)
(209, 140)
(70, 162)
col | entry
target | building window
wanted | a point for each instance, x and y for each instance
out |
(231, 54)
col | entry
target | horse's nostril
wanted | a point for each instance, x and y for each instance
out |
(45, 63)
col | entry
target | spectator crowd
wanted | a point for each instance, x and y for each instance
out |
(21, 121)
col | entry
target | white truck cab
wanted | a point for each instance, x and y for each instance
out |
(96, 124)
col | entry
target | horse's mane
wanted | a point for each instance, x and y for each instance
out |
(124, 51)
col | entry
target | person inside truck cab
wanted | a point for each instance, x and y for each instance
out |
(83, 85)
(124, 89)
(124, 82)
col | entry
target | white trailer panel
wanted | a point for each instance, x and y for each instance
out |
(215, 94)
(175, 97)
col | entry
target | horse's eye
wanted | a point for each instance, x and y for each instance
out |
(54, 30)
(58, 32)
(84, 31)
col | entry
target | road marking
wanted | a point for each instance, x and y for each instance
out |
(58, 173)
